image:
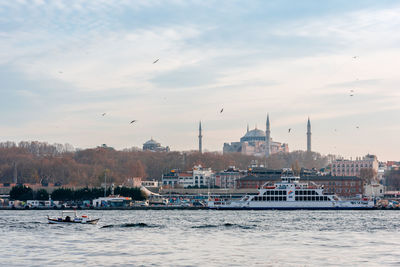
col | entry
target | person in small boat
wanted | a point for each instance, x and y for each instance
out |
(67, 219)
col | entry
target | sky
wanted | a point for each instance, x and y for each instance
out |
(65, 63)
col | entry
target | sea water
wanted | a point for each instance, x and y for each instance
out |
(203, 238)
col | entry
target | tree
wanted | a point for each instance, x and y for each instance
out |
(392, 180)
(63, 194)
(42, 194)
(21, 192)
(367, 175)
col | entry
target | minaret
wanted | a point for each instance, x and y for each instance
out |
(267, 139)
(200, 141)
(247, 127)
(308, 135)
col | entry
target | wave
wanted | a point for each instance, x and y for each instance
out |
(226, 225)
(127, 225)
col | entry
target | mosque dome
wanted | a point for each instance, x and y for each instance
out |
(253, 135)
(151, 142)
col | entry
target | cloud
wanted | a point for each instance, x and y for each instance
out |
(70, 61)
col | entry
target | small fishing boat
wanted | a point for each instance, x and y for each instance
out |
(72, 217)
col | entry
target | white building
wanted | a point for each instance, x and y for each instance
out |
(198, 177)
(152, 183)
(202, 176)
(374, 190)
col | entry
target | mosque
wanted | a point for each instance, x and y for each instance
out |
(259, 143)
(153, 145)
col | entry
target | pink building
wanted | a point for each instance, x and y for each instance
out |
(345, 167)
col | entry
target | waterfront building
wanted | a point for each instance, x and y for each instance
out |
(228, 177)
(203, 177)
(154, 146)
(257, 143)
(374, 190)
(199, 177)
(150, 183)
(345, 167)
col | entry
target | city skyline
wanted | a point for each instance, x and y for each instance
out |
(65, 64)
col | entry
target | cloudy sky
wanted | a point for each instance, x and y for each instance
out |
(64, 63)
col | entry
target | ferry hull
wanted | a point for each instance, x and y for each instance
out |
(294, 205)
(291, 208)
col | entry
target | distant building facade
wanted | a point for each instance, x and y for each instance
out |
(344, 167)
(199, 177)
(228, 177)
(154, 146)
(257, 143)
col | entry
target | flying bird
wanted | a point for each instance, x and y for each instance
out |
(357, 127)
(221, 110)
(103, 114)
(351, 95)
(355, 57)
(60, 72)
(133, 121)
(156, 61)
(289, 130)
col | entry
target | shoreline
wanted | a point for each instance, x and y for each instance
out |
(170, 208)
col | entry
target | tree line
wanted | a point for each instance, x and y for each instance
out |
(38, 162)
(24, 193)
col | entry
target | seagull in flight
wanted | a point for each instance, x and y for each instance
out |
(103, 114)
(133, 121)
(156, 61)
(289, 130)
(221, 110)
(358, 127)
(355, 57)
(60, 72)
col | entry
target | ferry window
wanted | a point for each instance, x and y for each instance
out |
(296, 198)
(264, 198)
(296, 193)
(313, 198)
(268, 198)
(284, 199)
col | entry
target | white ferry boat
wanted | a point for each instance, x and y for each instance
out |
(290, 194)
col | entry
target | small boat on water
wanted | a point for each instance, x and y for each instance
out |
(72, 217)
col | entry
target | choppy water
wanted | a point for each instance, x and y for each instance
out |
(203, 238)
